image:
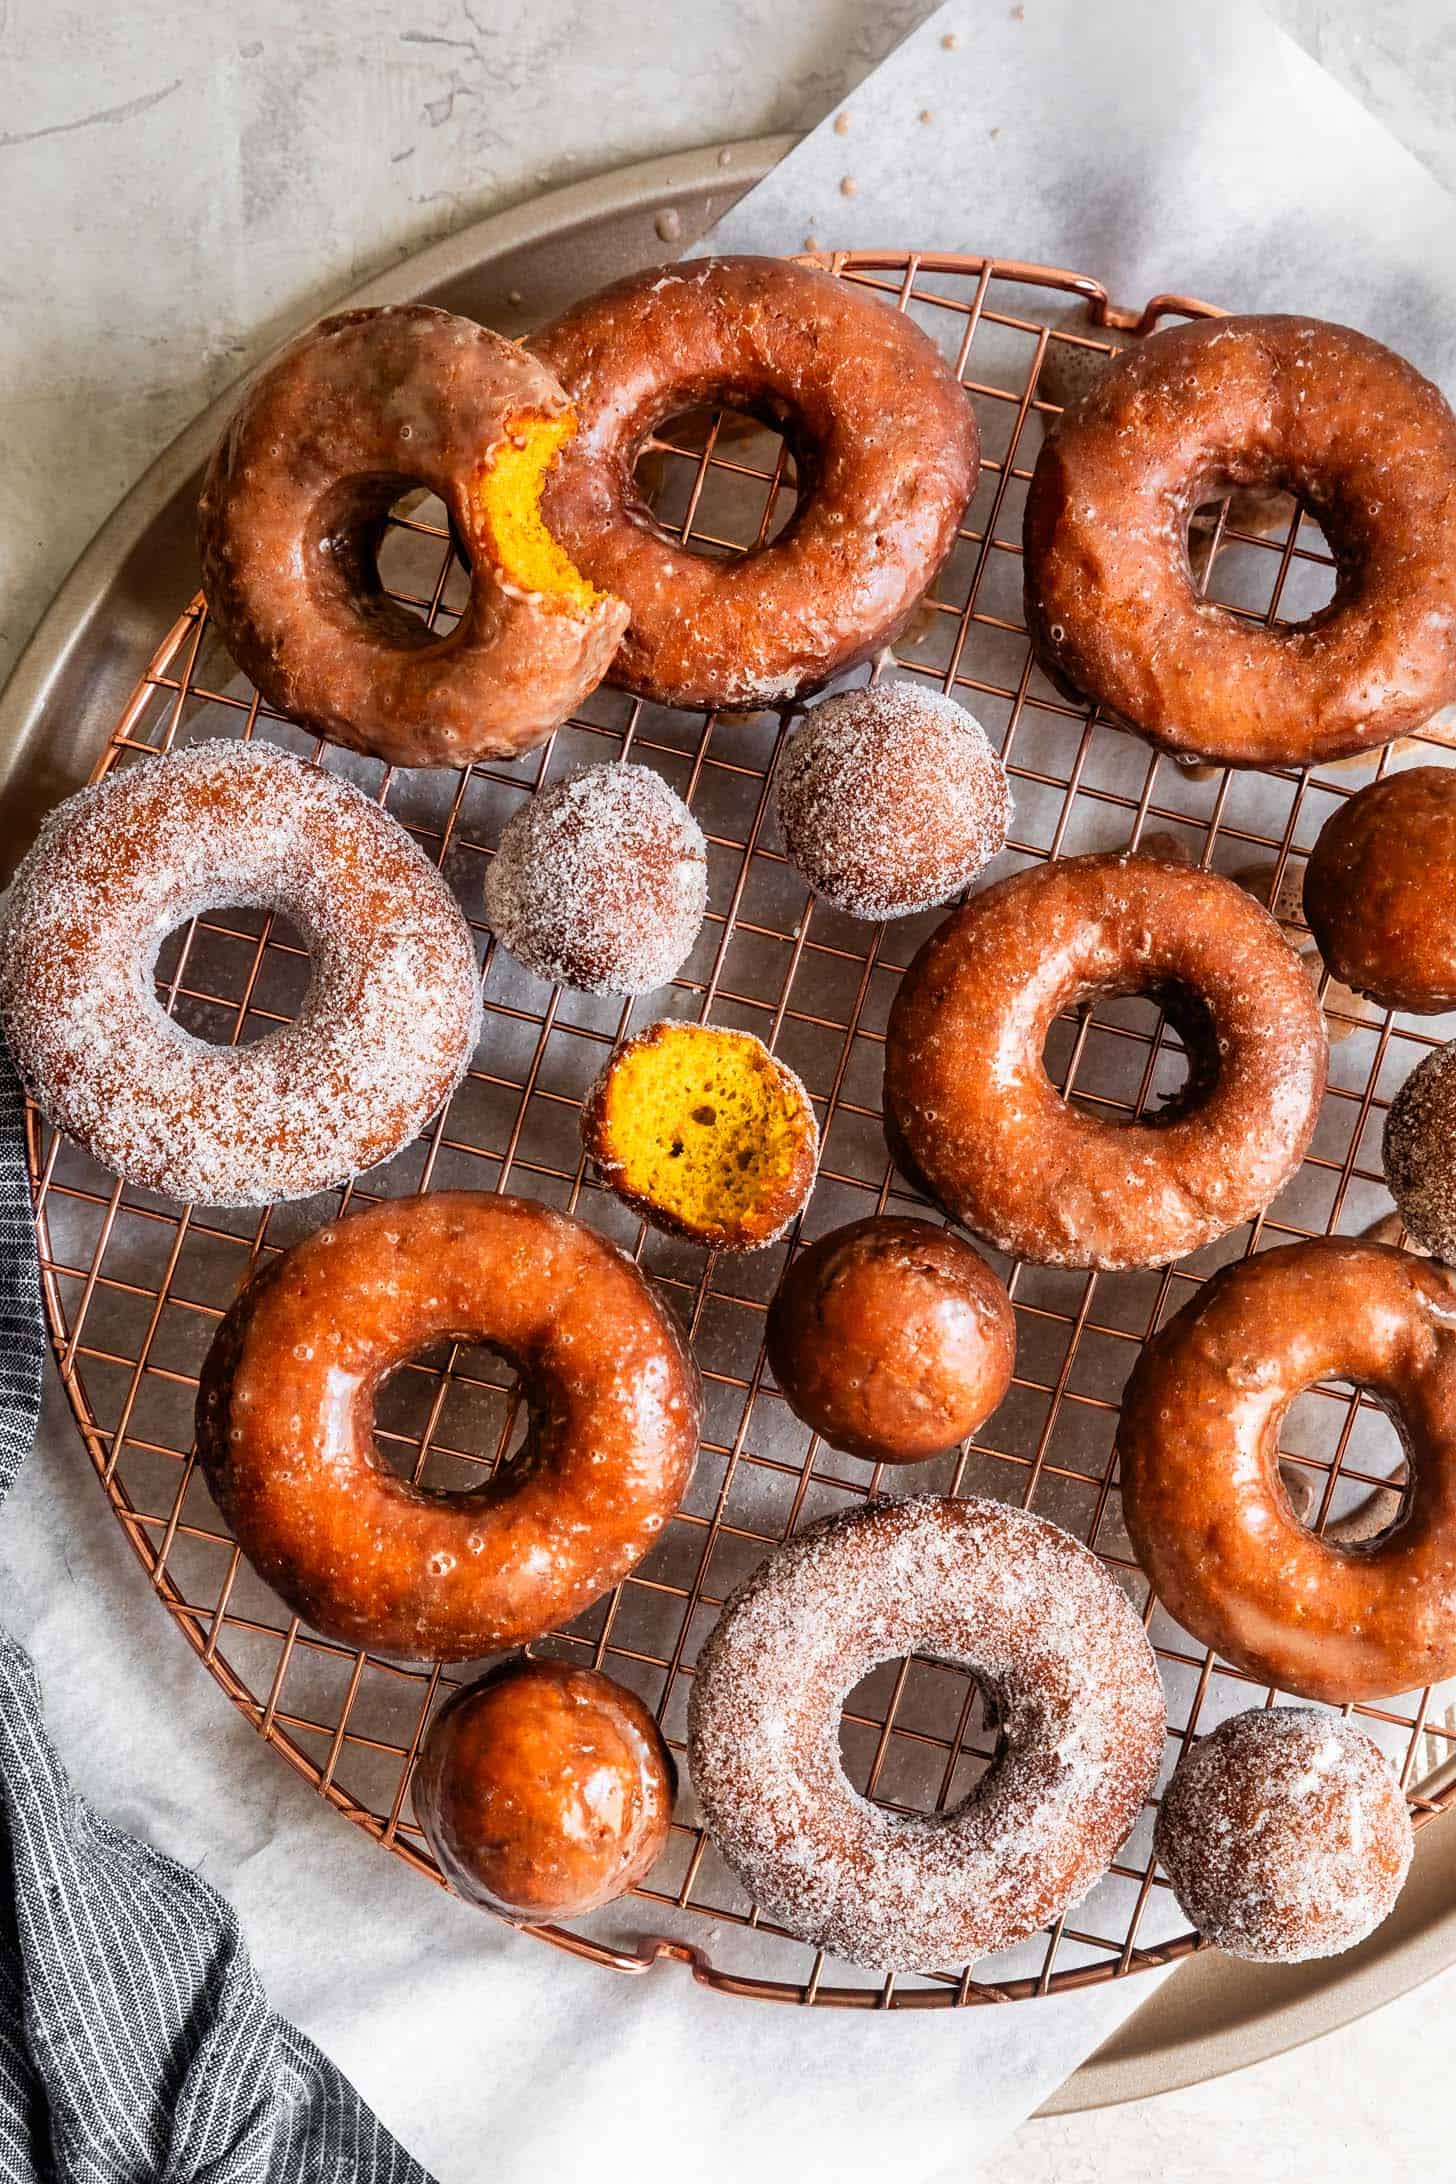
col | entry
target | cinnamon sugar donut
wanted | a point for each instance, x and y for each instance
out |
(1060, 1655)
(972, 1113)
(1209, 1516)
(1285, 1835)
(1366, 443)
(1418, 1152)
(325, 440)
(884, 443)
(285, 1424)
(386, 1028)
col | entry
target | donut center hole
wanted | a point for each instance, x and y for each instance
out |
(452, 1416)
(1342, 1465)
(721, 482)
(917, 1735)
(232, 975)
(1253, 547)
(381, 551)
(1134, 1057)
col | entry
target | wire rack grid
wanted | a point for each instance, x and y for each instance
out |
(135, 1285)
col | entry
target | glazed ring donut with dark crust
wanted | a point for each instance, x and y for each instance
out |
(323, 443)
(1208, 1513)
(285, 1424)
(972, 1115)
(884, 443)
(1061, 1656)
(1367, 445)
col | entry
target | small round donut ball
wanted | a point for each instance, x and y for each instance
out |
(543, 1790)
(1419, 1152)
(1380, 891)
(1285, 1835)
(891, 800)
(600, 882)
(891, 1338)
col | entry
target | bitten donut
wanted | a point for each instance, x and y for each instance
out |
(1366, 443)
(1208, 1514)
(885, 449)
(544, 1790)
(1060, 1655)
(285, 1424)
(1285, 1835)
(891, 1338)
(1380, 891)
(384, 1033)
(969, 1107)
(323, 443)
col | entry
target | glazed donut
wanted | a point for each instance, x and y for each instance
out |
(885, 450)
(973, 1117)
(1208, 1514)
(1380, 891)
(544, 1790)
(1324, 412)
(386, 1028)
(1055, 1647)
(323, 443)
(285, 1410)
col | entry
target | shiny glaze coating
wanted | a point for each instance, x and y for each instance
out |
(381, 1038)
(973, 1116)
(883, 438)
(1380, 891)
(324, 441)
(891, 1338)
(1054, 1644)
(544, 1790)
(1368, 445)
(1208, 1514)
(285, 1424)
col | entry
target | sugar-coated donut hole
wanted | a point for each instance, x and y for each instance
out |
(453, 1415)
(215, 950)
(1123, 1031)
(1371, 1492)
(717, 465)
(915, 1768)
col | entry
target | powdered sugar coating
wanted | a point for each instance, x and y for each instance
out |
(1419, 1152)
(1285, 1835)
(891, 800)
(601, 881)
(1059, 1652)
(386, 1028)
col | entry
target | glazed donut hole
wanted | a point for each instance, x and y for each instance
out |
(453, 1414)
(720, 481)
(1139, 1055)
(1342, 1464)
(1237, 532)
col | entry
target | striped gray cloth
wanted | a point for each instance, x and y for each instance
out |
(136, 2043)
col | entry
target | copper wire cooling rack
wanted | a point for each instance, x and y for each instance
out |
(135, 1286)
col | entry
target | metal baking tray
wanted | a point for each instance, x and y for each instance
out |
(513, 270)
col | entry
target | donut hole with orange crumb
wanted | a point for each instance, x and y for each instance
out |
(705, 1133)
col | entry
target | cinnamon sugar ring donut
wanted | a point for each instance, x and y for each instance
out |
(1369, 447)
(885, 449)
(1059, 1654)
(969, 1104)
(1210, 1517)
(325, 440)
(285, 1424)
(384, 1032)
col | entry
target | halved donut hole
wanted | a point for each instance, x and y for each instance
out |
(712, 481)
(1133, 1057)
(1240, 554)
(450, 1417)
(1342, 1465)
(232, 975)
(917, 1735)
